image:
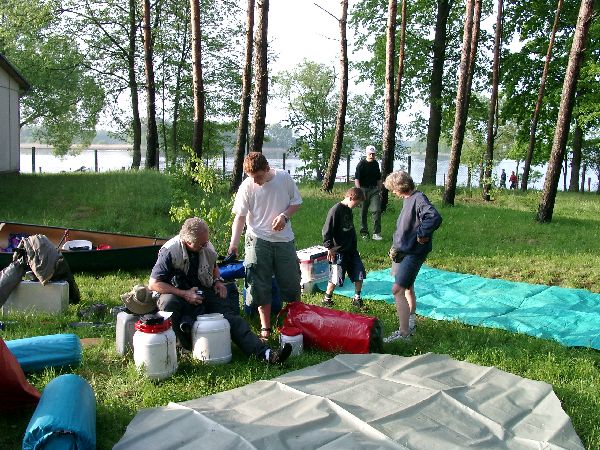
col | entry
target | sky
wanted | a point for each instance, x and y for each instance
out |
(298, 30)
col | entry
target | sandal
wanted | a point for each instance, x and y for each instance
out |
(265, 334)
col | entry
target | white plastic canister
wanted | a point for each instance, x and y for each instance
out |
(154, 350)
(211, 339)
(125, 331)
(293, 336)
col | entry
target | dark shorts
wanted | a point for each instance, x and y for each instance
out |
(353, 266)
(263, 260)
(405, 272)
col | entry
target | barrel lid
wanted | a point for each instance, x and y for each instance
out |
(290, 331)
(153, 328)
(211, 316)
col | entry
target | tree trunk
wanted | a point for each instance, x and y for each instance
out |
(576, 160)
(583, 171)
(136, 124)
(261, 77)
(473, 51)
(435, 93)
(242, 131)
(177, 97)
(461, 107)
(538, 103)
(491, 124)
(340, 122)
(389, 163)
(197, 81)
(152, 132)
(389, 107)
(546, 207)
(389, 124)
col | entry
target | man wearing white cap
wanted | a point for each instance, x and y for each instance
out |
(368, 178)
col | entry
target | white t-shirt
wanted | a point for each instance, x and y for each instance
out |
(261, 204)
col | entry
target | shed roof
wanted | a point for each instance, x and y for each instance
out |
(14, 72)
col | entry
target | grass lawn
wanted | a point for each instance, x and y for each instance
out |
(498, 239)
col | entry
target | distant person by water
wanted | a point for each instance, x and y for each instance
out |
(503, 179)
(513, 180)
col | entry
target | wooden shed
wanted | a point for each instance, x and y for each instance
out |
(12, 86)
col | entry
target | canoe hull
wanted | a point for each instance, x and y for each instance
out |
(127, 251)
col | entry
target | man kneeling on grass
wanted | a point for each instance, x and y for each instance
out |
(188, 278)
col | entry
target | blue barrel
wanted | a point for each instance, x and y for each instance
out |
(65, 417)
(39, 352)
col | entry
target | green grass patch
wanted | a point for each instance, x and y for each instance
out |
(497, 239)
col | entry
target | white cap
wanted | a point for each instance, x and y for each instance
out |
(370, 149)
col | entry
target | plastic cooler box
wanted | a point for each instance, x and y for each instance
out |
(313, 263)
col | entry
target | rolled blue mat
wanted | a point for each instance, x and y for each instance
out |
(65, 417)
(39, 352)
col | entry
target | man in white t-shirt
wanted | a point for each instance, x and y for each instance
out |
(264, 203)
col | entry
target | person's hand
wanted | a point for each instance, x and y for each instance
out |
(233, 250)
(422, 240)
(220, 289)
(192, 296)
(331, 255)
(279, 222)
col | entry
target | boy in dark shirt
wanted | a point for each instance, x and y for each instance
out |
(339, 237)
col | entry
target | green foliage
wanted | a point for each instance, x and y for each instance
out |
(309, 92)
(198, 191)
(522, 69)
(368, 19)
(64, 101)
(279, 136)
(365, 120)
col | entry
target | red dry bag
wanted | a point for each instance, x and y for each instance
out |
(15, 390)
(332, 330)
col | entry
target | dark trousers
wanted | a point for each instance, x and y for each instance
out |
(241, 335)
(371, 204)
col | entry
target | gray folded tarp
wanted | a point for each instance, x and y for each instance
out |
(366, 401)
(10, 277)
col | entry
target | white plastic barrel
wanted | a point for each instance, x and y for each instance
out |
(293, 336)
(211, 339)
(125, 331)
(155, 354)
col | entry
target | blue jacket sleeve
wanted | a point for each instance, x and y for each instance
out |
(429, 217)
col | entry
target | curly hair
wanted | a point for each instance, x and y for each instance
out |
(254, 162)
(191, 228)
(399, 181)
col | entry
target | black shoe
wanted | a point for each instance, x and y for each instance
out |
(280, 355)
(357, 302)
(327, 301)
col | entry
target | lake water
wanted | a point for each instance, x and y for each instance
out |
(111, 158)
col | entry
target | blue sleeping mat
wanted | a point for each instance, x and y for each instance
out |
(54, 350)
(65, 417)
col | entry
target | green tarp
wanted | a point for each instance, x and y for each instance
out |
(569, 316)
